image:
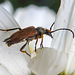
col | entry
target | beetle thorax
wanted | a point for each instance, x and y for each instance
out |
(41, 30)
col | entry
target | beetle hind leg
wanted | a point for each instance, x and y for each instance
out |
(9, 29)
(23, 48)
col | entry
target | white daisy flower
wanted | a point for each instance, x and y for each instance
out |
(57, 54)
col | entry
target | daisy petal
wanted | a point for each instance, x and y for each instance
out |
(48, 61)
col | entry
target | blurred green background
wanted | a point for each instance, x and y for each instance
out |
(53, 4)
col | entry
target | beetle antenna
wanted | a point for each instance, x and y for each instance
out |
(52, 26)
(63, 29)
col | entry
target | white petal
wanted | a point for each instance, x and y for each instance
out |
(11, 59)
(4, 71)
(35, 16)
(62, 21)
(8, 6)
(70, 69)
(6, 19)
(48, 61)
(64, 41)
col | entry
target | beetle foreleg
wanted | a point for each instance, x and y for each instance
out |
(9, 29)
(41, 45)
(23, 48)
(36, 44)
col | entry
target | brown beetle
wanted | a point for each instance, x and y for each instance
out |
(29, 34)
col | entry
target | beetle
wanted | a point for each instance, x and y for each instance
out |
(28, 34)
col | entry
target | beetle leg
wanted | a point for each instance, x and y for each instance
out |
(23, 48)
(36, 44)
(9, 29)
(41, 45)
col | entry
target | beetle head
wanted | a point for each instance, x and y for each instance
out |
(48, 32)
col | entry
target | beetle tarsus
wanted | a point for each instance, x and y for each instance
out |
(26, 53)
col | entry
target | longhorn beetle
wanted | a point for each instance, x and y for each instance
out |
(29, 34)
